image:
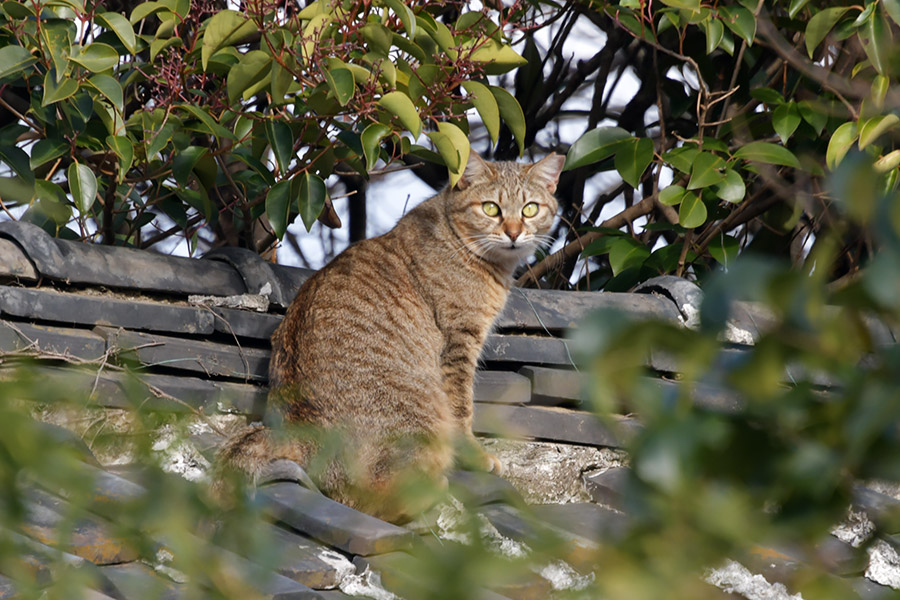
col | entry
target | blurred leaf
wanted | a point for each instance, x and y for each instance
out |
(683, 4)
(767, 95)
(311, 198)
(399, 105)
(632, 159)
(785, 120)
(888, 162)
(732, 188)
(512, 115)
(371, 142)
(486, 105)
(161, 140)
(594, 146)
(692, 212)
(871, 129)
(813, 114)
(706, 170)
(83, 185)
(208, 121)
(796, 6)
(724, 249)
(681, 158)
(96, 57)
(626, 253)
(124, 150)
(892, 8)
(671, 196)
(766, 152)
(278, 207)
(225, 28)
(184, 161)
(14, 59)
(498, 58)
(820, 24)
(281, 139)
(119, 25)
(840, 142)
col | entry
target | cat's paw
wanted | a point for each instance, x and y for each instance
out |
(493, 464)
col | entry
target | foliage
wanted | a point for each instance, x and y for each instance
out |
(206, 117)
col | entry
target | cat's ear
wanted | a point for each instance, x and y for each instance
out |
(477, 170)
(547, 170)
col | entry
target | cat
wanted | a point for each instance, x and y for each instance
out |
(381, 345)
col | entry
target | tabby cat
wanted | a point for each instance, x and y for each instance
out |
(380, 346)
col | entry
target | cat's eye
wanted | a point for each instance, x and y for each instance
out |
(530, 209)
(491, 209)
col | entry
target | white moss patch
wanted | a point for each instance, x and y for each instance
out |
(735, 578)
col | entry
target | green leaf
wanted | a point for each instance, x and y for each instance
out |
(785, 120)
(124, 150)
(281, 82)
(706, 170)
(208, 121)
(14, 59)
(83, 185)
(724, 249)
(820, 24)
(682, 158)
(598, 246)
(877, 41)
(278, 207)
(632, 159)
(311, 198)
(46, 150)
(281, 139)
(796, 6)
(160, 140)
(892, 8)
(54, 92)
(57, 37)
(692, 212)
(594, 146)
(484, 102)
(888, 162)
(254, 67)
(406, 16)
(225, 28)
(692, 5)
(340, 81)
(144, 10)
(399, 105)
(767, 95)
(96, 57)
(497, 58)
(119, 25)
(732, 189)
(111, 89)
(814, 114)
(871, 129)
(626, 253)
(839, 144)
(314, 31)
(453, 146)
(714, 32)
(16, 159)
(512, 114)
(371, 142)
(672, 195)
(769, 153)
(184, 161)
(739, 20)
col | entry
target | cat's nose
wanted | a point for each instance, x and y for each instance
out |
(513, 234)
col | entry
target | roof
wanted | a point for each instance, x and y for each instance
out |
(176, 320)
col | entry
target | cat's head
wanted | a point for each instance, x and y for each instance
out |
(504, 210)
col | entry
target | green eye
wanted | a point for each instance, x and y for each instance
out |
(530, 209)
(490, 209)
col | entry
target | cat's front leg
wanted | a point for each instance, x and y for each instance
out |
(459, 359)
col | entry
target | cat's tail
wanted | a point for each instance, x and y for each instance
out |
(255, 455)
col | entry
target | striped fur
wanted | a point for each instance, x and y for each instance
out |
(380, 346)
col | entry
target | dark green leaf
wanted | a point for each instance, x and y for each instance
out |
(111, 89)
(766, 152)
(594, 146)
(124, 150)
(706, 170)
(54, 92)
(160, 140)
(340, 81)
(814, 114)
(83, 185)
(626, 253)
(253, 68)
(741, 21)
(692, 212)
(877, 41)
(311, 198)
(278, 207)
(46, 150)
(225, 28)
(371, 142)
(96, 57)
(632, 158)
(512, 114)
(714, 32)
(14, 59)
(281, 139)
(785, 120)
(184, 161)
(599, 246)
(15, 158)
(121, 27)
(207, 120)
(796, 6)
(767, 95)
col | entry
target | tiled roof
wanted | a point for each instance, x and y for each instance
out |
(76, 302)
